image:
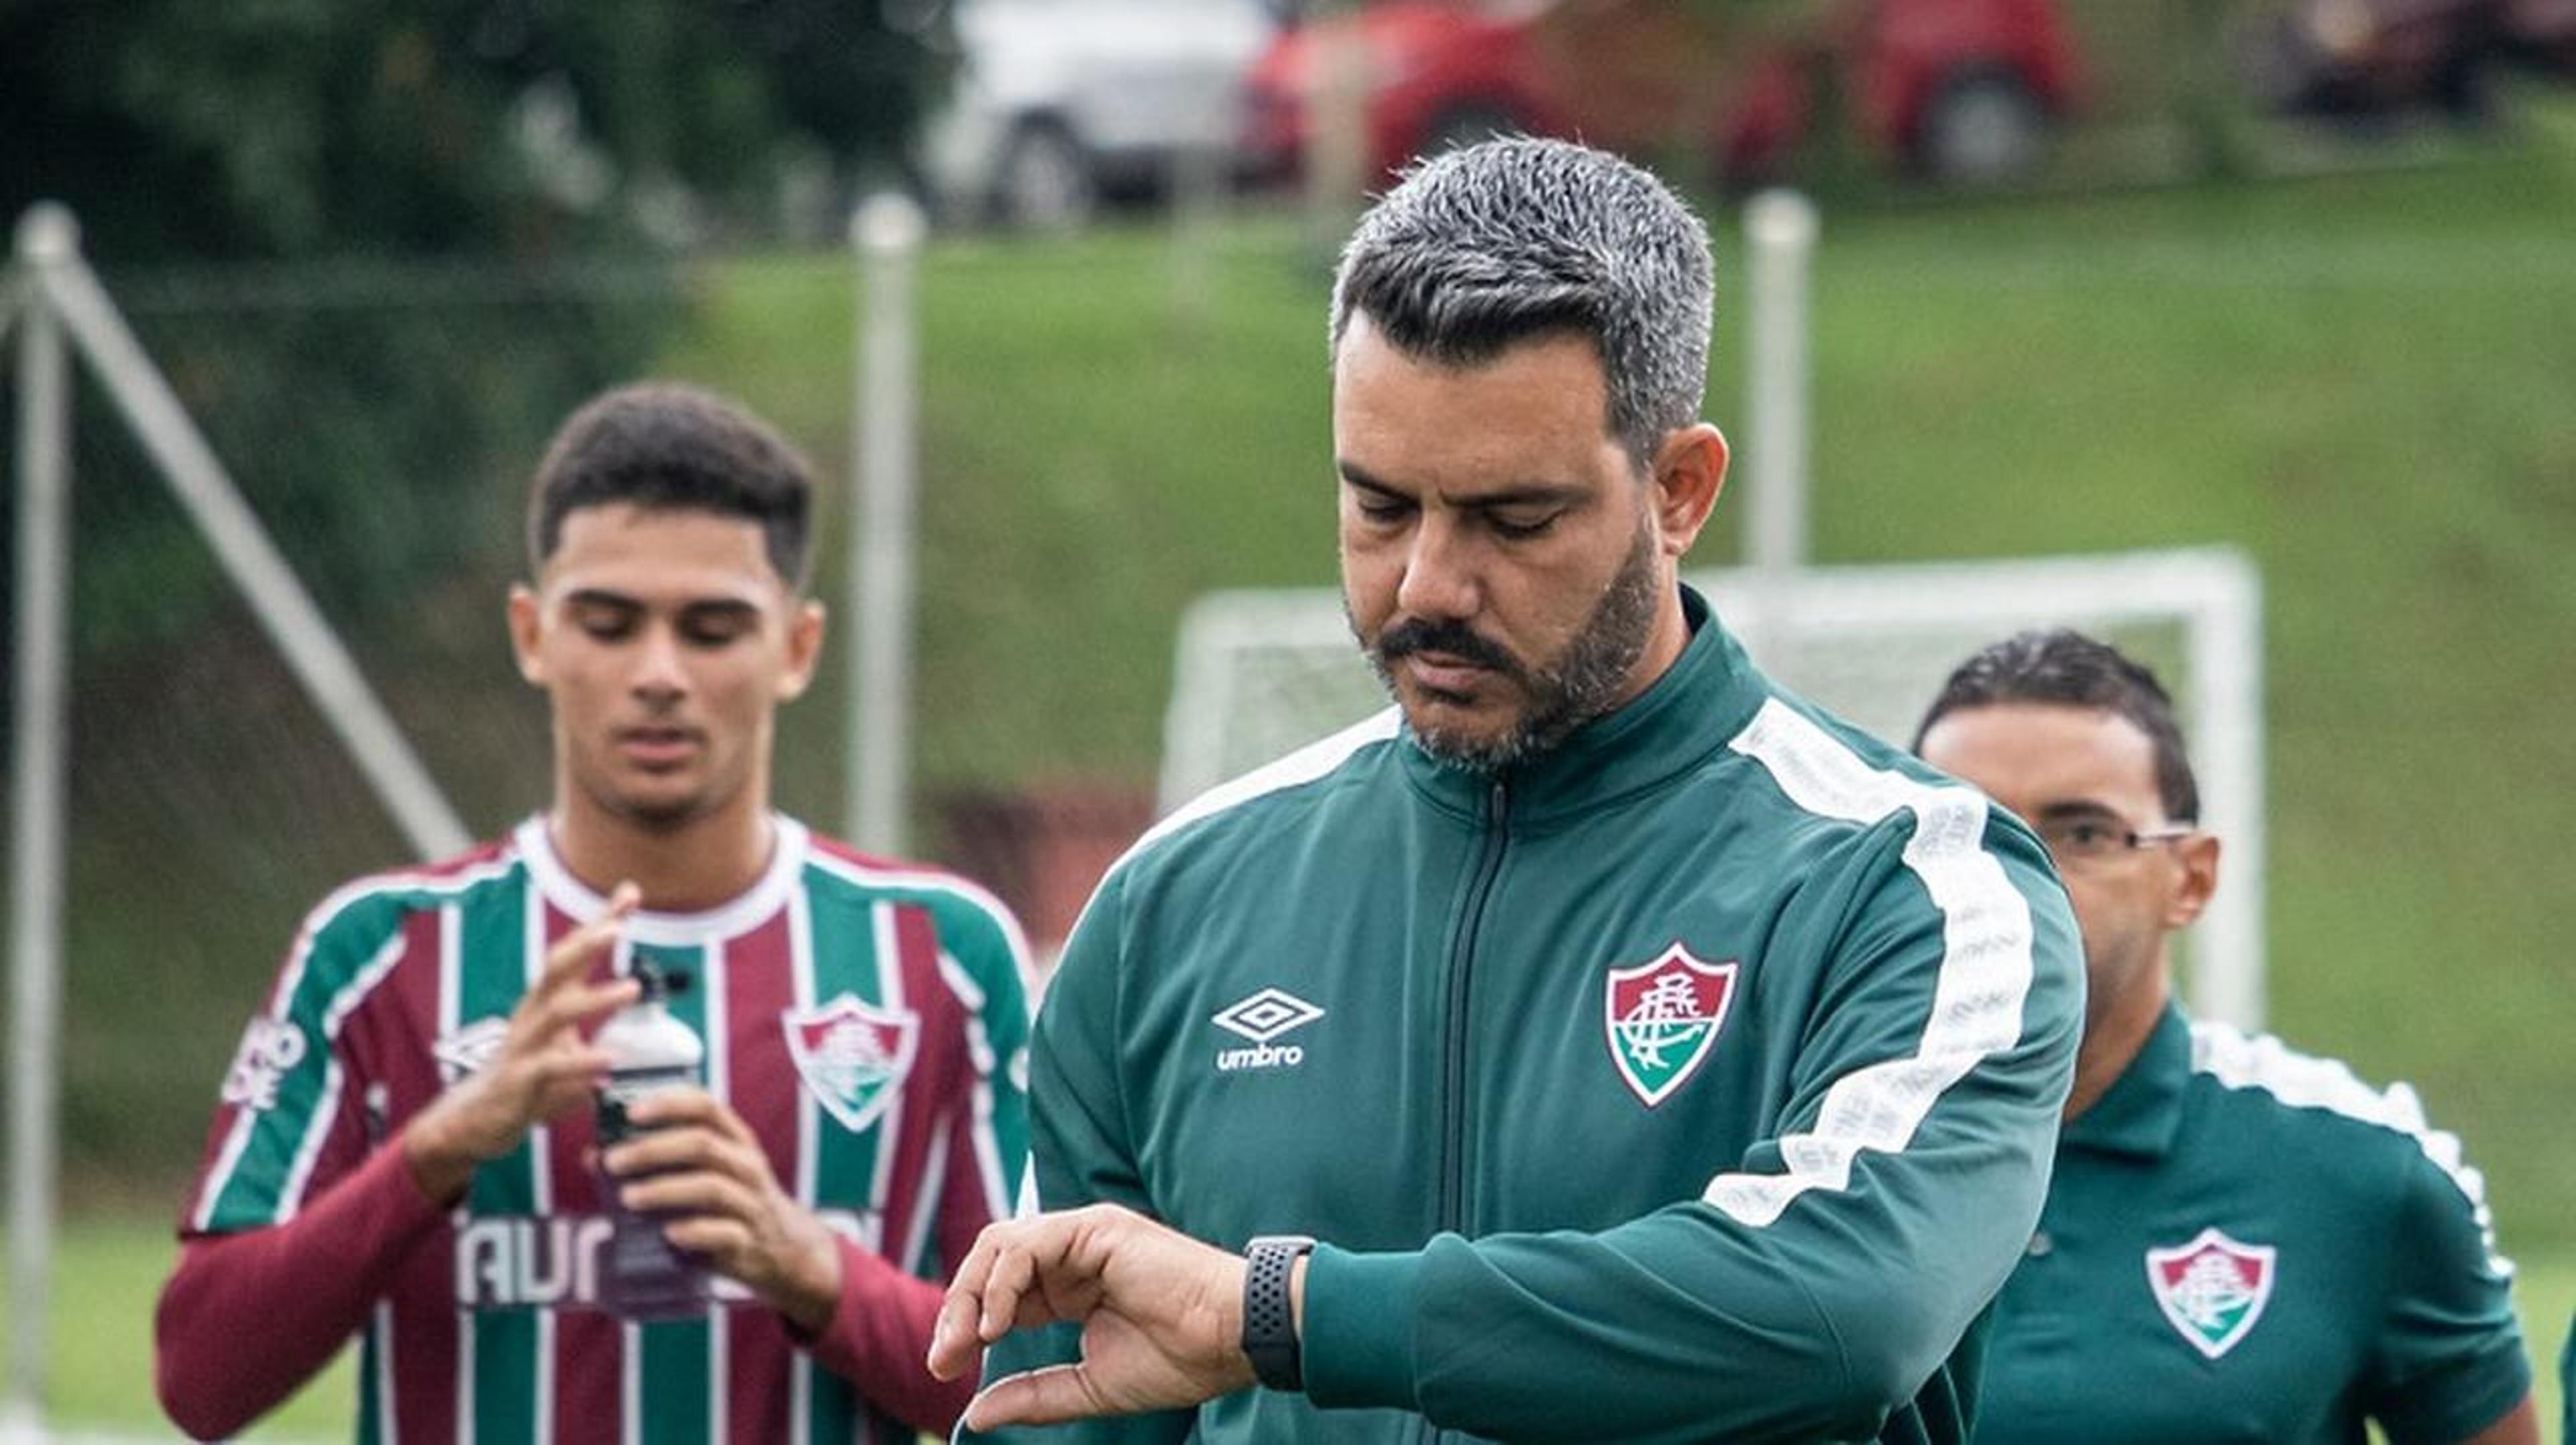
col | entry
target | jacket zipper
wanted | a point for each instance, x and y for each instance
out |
(1453, 1096)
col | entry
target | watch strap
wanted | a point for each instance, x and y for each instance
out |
(1269, 1323)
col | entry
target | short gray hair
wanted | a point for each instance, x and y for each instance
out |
(1492, 244)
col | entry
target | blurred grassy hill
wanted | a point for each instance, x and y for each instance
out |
(2366, 380)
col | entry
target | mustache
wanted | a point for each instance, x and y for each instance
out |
(1457, 639)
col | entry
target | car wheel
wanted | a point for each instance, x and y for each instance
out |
(1983, 127)
(1044, 182)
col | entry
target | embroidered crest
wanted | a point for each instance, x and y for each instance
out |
(852, 1055)
(1663, 1017)
(2212, 1289)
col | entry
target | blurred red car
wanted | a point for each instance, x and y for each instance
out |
(1959, 90)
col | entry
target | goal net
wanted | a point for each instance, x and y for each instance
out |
(1258, 673)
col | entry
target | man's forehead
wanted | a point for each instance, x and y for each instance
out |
(2048, 752)
(661, 553)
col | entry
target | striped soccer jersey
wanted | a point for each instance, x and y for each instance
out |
(866, 1020)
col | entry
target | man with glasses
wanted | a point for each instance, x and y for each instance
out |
(2240, 1242)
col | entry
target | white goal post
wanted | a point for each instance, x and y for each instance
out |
(1257, 673)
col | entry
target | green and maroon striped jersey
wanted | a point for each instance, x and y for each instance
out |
(865, 1018)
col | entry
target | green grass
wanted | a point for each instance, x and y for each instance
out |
(109, 1272)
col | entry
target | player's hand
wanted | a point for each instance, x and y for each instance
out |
(1161, 1313)
(544, 1068)
(697, 1164)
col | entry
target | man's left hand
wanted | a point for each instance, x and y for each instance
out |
(697, 1164)
(1161, 1313)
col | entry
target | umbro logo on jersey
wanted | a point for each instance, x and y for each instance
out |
(269, 1047)
(1262, 1018)
(852, 1055)
(1663, 1018)
(2212, 1289)
(470, 1049)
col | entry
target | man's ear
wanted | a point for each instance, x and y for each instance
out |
(804, 649)
(527, 629)
(2197, 856)
(1690, 471)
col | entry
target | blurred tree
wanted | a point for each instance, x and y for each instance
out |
(378, 249)
(527, 140)
(291, 128)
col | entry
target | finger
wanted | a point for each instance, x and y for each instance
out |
(724, 1242)
(1014, 1271)
(1037, 1397)
(689, 1146)
(690, 1194)
(682, 1104)
(572, 955)
(955, 1344)
(568, 1059)
(555, 1010)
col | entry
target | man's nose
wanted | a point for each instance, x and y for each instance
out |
(1440, 573)
(659, 672)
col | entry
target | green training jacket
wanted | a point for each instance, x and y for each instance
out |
(1697, 1080)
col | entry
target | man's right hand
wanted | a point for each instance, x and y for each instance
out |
(545, 1068)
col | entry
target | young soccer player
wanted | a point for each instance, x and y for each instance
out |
(405, 1151)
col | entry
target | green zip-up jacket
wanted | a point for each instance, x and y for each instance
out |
(1695, 1081)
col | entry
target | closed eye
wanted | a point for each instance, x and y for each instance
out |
(607, 619)
(1521, 529)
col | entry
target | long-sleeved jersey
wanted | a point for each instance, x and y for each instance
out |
(1694, 1081)
(2243, 1243)
(865, 1018)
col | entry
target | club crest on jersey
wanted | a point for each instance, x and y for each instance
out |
(1663, 1019)
(2212, 1289)
(852, 1055)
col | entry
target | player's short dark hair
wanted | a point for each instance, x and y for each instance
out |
(2068, 669)
(662, 445)
(1488, 245)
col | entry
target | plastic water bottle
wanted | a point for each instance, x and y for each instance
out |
(642, 1276)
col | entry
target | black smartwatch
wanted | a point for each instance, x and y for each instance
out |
(1269, 1325)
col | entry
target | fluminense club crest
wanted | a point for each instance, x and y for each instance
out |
(2212, 1289)
(1663, 1018)
(852, 1055)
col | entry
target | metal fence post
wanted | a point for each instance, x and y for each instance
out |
(1780, 245)
(47, 240)
(887, 230)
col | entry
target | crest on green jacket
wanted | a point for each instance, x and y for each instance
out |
(1663, 1018)
(2212, 1289)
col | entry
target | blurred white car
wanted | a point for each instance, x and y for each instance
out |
(1057, 104)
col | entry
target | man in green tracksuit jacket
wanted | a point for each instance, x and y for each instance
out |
(1659, 1058)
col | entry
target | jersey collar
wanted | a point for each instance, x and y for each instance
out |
(579, 902)
(1707, 696)
(2142, 1110)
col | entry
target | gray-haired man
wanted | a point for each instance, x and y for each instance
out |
(1659, 1058)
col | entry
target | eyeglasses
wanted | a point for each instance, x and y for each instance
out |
(2074, 842)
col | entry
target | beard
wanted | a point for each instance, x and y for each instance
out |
(1582, 682)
